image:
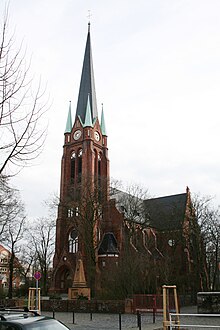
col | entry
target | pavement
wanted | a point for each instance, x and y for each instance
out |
(99, 321)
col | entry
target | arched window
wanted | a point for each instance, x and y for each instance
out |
(73, 241)
(80, 165)
(73, 166)
(99, 177)
(99, 164)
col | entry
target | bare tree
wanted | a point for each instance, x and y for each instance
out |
(13, 235)
(129, 200)
(42, 236)
(206, 240)
(21, 106)
(6, 203)
(27, 258)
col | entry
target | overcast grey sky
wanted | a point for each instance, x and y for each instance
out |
(157, 71)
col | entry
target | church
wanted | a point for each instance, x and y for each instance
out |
(99, 250)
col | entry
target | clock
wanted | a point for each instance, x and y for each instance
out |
(96, 136)
(77, 134)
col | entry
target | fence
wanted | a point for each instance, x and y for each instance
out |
(151, 303)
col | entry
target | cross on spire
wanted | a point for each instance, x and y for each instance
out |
(89, 19)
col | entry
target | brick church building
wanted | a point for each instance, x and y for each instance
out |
(99, 251)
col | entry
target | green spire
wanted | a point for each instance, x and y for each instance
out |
(69, 121)
(103, 129)
(88, 116)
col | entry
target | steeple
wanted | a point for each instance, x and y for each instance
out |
(69, 121)
(87, 85)
(103, 129)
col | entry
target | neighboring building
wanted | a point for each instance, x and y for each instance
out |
(95, 240)
(4, 269)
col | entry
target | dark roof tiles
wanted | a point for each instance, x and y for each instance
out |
(166, 213)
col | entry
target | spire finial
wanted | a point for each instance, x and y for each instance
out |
(89, 18)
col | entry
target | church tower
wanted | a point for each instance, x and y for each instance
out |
(84, 180)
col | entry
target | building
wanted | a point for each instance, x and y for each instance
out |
(4, 269)
(96, 242)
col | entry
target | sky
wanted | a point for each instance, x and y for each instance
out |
(157, 73)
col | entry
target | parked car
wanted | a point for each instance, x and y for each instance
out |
(14, 319)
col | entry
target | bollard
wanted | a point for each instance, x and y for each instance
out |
(120, 321)
(154, 314)
(139, 321)
(90, 316)
(73, 317)
(138, 313)
(53, 314)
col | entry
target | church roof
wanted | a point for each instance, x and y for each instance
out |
(87, 85)
(108, 245)
(166, 213)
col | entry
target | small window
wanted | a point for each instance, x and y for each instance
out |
(77, 211)
(171, 242)
(70, 212)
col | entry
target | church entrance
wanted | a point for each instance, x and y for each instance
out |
(65, 279)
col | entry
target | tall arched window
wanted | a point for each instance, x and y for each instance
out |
(73, 166)
(73, 241)
(79, 165)
(99, 165)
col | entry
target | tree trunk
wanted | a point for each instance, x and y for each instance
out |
(11, 270)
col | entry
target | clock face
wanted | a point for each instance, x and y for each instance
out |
(77, 134)
(97, 136)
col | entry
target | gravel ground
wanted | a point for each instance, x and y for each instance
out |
(83, 321)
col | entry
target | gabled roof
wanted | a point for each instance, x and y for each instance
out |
(87, 85)
(108, 245)
(166, 213)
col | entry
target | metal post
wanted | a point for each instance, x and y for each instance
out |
(73, 317)
(90, 316)
(37, 304)
(120, 321)
(139, 316)
(53, 314)
(154, 314)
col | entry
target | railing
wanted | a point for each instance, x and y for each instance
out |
(150, 303)
(174, 324)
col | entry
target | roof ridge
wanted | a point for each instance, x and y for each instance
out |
(160, 197)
